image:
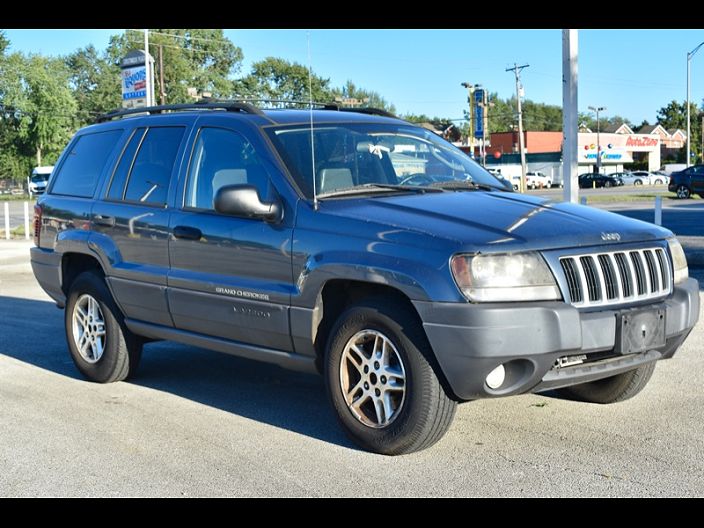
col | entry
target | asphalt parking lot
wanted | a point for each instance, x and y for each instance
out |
(198, 423)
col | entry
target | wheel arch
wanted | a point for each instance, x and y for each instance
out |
(337, 295)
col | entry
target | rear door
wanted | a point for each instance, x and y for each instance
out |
(133, 218)
(230, 277)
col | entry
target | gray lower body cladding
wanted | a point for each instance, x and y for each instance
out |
(471, 340)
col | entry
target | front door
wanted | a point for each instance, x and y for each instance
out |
(230, 277)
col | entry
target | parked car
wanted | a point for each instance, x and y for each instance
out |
(217, 225)
(538, 179)
(589, 180)
(687, 182)
(662, 175)
(655, 178)
(506, 183)
(38, 180)
(632, 178)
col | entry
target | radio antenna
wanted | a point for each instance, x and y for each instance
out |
(310, 110)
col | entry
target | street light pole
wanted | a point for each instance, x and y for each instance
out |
(689, 58)
(598, 143)
(470, 135)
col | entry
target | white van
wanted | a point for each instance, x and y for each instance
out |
(38, 180)
(673, 167)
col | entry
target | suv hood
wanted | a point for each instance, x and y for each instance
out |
(497, 221)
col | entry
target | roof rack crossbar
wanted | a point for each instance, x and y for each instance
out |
(288, 101)
(367, 110)
(229, 106)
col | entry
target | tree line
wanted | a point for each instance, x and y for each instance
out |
(44, 100)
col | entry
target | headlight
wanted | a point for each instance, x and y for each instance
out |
(679, 261)
(506, 277)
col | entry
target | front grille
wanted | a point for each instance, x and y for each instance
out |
(616, 277)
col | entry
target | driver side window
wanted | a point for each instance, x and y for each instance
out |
(221, 157)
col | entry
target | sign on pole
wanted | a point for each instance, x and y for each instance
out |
(134, 79)
(478, 105)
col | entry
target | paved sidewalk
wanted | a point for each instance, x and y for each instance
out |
(14, 255)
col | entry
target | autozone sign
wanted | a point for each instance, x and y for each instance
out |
(642, 141)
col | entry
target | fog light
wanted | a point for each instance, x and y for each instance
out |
(496, 377)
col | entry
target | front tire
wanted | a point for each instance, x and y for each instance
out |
(101, 346)
(607, 184)
(613, 389)
(638, 182)
(380, 380)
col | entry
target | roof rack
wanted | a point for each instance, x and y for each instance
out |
(236, 105)
(229, 106)
(321, 105)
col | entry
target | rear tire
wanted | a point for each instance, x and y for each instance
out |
(683, 192)
(101, 346)
(607, 184)
(611, 390)
(396, 404)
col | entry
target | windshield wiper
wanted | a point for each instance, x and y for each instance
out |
(378, 187)
(465, 185)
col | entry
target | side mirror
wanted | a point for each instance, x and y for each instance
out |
(243, 200)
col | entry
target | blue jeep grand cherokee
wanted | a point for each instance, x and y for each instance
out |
(364, 248)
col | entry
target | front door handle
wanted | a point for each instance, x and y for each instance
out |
(108, 221)
(187, 233)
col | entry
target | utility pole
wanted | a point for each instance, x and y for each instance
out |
(470, 135)
(570, 128)
(484, 122)
(162, 92)
(597, 109)
(690, 54)
(521, 143)
(147, 66)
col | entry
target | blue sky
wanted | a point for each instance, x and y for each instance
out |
(631, 72)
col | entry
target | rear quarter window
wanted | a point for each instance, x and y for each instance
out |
(85, 161)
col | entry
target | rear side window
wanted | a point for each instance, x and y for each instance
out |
(149, 178)
(84, 163)
(119, 177)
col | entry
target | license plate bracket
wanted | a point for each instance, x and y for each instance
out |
(640, 330)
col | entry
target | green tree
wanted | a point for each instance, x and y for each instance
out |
(451, 131)
(373, 99)
(95, 83)
(203, 59)
(38, 113)
(4, 43)
(274, 78)
(673, 116)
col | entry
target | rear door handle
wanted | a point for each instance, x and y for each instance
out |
(187, 233)
(108, 221)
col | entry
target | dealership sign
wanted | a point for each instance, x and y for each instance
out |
(134, 79)
(134, 82)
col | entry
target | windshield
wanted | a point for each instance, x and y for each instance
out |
(40, 178)
(349, 156)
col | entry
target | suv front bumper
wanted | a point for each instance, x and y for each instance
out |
(471, 340)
